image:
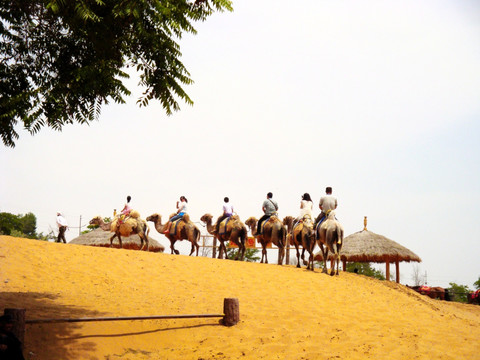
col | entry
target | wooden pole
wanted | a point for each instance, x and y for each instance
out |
(214, 251)
(18, 320)
(397, 270)
(344, 264)
(231, 310)
(287, 251)
(388, 270)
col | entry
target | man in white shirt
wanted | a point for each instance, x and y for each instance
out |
(227, 212)
(62, 227)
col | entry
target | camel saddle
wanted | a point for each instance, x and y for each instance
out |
(173, 228)
(222, 229)
(425, 289)
(476, 294)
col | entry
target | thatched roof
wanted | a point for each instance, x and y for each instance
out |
(99, 237)
(366, 246)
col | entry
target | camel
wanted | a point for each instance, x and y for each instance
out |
(473, 297)
(302, 235)
(186, 230)
(273, 231)
(330, 235)
(131, 226)
(235, 232)
(432, 292)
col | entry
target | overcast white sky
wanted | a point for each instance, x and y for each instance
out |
(378, 99)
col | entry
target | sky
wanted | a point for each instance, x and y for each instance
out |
(377, 99)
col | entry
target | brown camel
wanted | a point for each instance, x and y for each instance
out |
(185, 230)
(235, 232)
(302, 234)
(273, 231)
(473, 297)
(131, 226)
(329, 236)
(432, 292)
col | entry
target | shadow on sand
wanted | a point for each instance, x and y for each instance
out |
(42, 339)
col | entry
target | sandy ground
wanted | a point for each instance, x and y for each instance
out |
(285, 312)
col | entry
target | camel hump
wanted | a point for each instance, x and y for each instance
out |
(186, 218)
(113, 224)
(134, 214)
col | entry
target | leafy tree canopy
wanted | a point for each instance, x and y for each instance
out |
(365, 269)
(476, 284)
(60, 60)
(458, 292)
(19, 225)
(251, 255)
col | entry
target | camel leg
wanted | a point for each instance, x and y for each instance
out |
(243, 251)
(119, 241)
(111, 239)
(310, 261)
(147, 245)
(197, 247)
(325, 259)
(222, 251)
(303, 257)
(264, 253)
(143, 238)
(172, 246)
(298, 256)
(280, 256)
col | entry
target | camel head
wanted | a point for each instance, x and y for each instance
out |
(251, 222)
(207, 218)
(288, 221)
(154, 218)
(97, 220)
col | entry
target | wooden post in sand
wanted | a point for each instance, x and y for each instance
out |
(397, 271)
(214, 249)
(287, 251)
(387, 270)
(18, 320)
(231, 310)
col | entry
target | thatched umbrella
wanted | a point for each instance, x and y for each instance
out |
(366, 246)
(99, 237)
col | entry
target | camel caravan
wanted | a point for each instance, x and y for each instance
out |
(302, 232)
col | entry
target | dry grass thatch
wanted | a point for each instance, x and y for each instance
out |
(366, 246)
(99, 237)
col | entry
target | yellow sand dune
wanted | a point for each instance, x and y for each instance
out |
(285, 312)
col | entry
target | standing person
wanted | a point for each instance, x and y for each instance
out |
(327, 204)
(62, 227)
(269, 208)
(306, 207)
(227, 212)
(10, 346)
(181, 210)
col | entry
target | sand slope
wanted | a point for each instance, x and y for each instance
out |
(286, 313)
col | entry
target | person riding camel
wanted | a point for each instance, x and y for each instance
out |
(227, 212)
(327, 204)
(306, 207)
(181, 210)
(269, 207)
(126, 210)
